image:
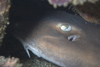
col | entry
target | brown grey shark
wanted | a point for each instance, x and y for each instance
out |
(63, 39)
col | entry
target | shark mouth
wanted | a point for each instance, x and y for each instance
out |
(72, 37)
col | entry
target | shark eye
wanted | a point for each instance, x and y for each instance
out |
(65, 27)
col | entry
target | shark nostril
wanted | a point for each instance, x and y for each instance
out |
(72, 37)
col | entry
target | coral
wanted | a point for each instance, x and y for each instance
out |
(81, 2)
(64, 3)
(9, 62)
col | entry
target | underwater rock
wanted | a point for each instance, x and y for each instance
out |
(4, 17)
(90, 11)
(38, 62)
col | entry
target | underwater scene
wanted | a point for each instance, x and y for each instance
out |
(49, 33)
